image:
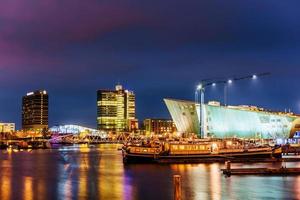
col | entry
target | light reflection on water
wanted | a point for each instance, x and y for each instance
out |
(28, 193)
(80, 172)
(111, 177)
(5, 181)
(215, 182)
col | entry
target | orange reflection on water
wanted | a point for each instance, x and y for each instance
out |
(83, 170)
(111, 176)
(197, 179)
(215, 182)
(84, 148)
(180, 167)
(5, 190)
(28, 193)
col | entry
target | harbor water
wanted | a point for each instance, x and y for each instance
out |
(97, 172)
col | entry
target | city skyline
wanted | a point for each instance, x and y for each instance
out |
(161, 99)
(210, 93)
(157, 56)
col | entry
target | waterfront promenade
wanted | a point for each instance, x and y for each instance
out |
(79, 172)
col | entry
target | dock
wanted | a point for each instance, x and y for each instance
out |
(282, 171)
(23, 144)
(262, 171)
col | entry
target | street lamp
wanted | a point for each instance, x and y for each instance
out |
(201, 88)
(226, 84)
(230, 81)
(205, 83)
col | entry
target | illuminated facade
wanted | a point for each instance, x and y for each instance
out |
(7, 127)
(35, 111)
(116, 110)
(159, 126)
(232, 121)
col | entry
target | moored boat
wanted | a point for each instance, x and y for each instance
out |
(3, 145)
(198, 151)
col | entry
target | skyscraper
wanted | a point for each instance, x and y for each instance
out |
(116, 110)
(35, 111)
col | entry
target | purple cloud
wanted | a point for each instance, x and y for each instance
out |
(31, 32)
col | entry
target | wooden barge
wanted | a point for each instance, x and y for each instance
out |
(201, 152)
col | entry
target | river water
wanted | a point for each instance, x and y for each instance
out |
(82, 172)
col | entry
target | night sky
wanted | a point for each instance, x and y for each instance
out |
(158, 49)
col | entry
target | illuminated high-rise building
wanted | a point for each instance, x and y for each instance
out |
(7, 127)
(116, 110)
(35, 111)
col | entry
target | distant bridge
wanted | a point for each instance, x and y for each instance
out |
(87, 138)
(72, 139)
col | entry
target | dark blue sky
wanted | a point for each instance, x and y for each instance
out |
(156, 48)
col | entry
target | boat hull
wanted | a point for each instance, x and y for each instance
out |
(203, 158)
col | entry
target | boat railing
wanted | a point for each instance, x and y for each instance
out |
(145, 150)
(231, 150)
(189, 152)
(260, 149)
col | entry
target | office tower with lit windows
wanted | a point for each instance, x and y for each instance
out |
(116, 110)
(159, 126)
(35, 111)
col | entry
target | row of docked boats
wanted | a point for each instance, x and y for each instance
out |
(197, 151)
(18, 145)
